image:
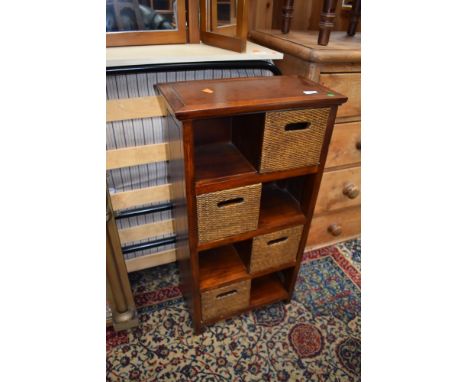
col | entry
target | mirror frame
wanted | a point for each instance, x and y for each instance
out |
(130, 38)
(217, 36)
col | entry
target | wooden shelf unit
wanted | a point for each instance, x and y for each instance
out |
(216, 138)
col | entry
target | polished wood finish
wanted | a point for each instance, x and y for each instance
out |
(345, 145)
(181, 168)
(348, 222)
(209, 98)
(178, 36)
(335, 229)
(354, 18)
(212, 35)
(339, 189)
(220, 160)
(119, 291)
(193, 24)
(212, 121)
(306, 16)
(221, 266)
(303, 45)
(287, 14)
(327, 21)
(349, 84)
(260, 14)
(267, 289)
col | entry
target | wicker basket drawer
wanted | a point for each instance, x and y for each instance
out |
(228, 212)
(293, 138)
(220, 302)
(275, 249)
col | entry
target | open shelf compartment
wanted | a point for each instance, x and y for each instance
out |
(264, 290)
(220, 266)
(268, 289)
(220, 154)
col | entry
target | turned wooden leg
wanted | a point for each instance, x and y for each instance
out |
(119, 291)
(354, 17)
(288, 8)
(327, 21)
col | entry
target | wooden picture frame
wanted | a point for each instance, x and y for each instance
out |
(221, 36)
(152, 37)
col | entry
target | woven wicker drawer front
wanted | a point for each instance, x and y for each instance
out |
(228, 212)
(220, 302)
(293, 138)
(274, 249)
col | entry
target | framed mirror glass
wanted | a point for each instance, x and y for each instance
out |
(224, 23)
(145, 22)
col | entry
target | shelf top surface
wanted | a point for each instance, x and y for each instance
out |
(181, 53)
(303, 44)
(211, 98)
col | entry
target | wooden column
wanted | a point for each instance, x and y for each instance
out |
(327, 21)
(288, 8)
(193, 30)
(354, 17)
(119, 291)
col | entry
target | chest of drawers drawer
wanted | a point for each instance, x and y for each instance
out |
(345, 145)
(339, 189)
(334, 227)
(349, 84)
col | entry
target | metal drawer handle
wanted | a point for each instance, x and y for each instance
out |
(230, 202)
(276, 241)
(226, 294)
(335, 229)
(351, 190)
(296, 126)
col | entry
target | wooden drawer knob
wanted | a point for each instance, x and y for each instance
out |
(358, 145)
(351, 190)
(335, 229)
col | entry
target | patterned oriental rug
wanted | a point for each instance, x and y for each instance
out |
(314, 338)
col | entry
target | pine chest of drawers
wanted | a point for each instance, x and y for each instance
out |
(246, 158)
(338, 66)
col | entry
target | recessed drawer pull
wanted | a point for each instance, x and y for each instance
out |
(226, 294)
(358, 145)
(276, 241)
(230, 202)
(297, 126)
(351, 190)
(335, 229)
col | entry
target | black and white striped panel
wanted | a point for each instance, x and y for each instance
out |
(137, 132)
